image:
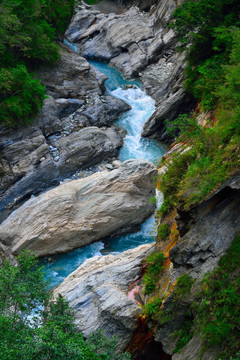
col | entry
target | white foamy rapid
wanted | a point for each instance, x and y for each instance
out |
(135, 147)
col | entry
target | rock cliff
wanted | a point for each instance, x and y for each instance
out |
(198, 239)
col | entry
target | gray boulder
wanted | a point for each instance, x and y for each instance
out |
(73, 77)
(30, 164)
(104, 110)
(98, 293)
(82, 211)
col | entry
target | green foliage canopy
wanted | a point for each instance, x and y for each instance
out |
(33, 327)
(28, 31)
(205, 27)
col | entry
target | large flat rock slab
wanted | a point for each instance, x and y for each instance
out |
(97, 291)
(79, 212)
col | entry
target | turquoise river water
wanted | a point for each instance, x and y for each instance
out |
(134, 147)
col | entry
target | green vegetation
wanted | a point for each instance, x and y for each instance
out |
(92, 2)
(184, 335)
(218, 304)
(22, 95)
(152, 308)
(28, 31)
(34, 328)
(211, 30)
(155, 263)
(183, 287)
(216, 307)
(163, 231)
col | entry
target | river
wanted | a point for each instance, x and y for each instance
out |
(142, 107)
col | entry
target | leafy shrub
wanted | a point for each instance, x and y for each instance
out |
(211, 28)
(152, 308)
(218, 304)
(163, 231)
(170, 181)
(22, 290)
(22, 95)
(214, 151)
(206, 26)
(183, 286)
(184, 335)
(155, 263)
(27, 40)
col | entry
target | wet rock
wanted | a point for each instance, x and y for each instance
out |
(97, 291)
(48, 119)
(116, 38)
(79, 24)
(164, 82)
(66, 107)
(102, 112)
(80, 212)
(86, 147)
(21, 151)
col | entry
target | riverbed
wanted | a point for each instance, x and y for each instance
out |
(135, 147)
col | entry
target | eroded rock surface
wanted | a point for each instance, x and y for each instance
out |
(97, 291)
(62, 139)
(30, 164)
(192, 351)
(163, 81)
(138, 44)
(206, 232)
(82, 211)
(129, 41)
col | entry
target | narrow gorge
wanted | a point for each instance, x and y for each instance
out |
(93, 185)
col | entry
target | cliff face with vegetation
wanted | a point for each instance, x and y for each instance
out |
(189, 294)
(193, 314)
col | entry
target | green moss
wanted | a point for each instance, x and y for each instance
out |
(92, 2)
(218, 305)
(155, 263)
(183, 286)
(163, 231)
(184, 335)
(152, 308)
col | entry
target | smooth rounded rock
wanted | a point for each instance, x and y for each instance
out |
(82, 211)
(97, 291)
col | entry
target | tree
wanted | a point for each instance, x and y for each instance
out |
(34, 327)
(28, 31)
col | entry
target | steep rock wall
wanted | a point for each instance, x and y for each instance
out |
(199, 238)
